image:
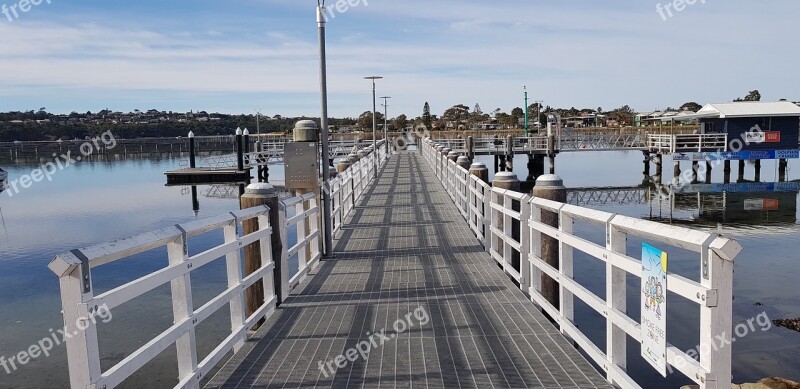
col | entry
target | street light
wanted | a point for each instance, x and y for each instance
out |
(386, 122)
(326, 173)
(374, 123)
(525, 88)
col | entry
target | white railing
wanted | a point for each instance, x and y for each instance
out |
(80, 303)
(688, 142)
(348, 187)
(501, 211)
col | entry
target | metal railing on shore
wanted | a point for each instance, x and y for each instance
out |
(494, 215)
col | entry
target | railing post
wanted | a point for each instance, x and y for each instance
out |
(83, 354)
(525, 249)
(616, 299)
(282, 261)
(234, 270)
(303, 231)
(716, 320)
(183, 307)
(565, 268)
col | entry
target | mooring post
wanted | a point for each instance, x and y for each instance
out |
(508, 181)
(709, 168)
(676, 171)
(239, 150)
(551, 152)
(258, 195)
(782, 165)
(496, 163)
(646, 162)
(192, 151)
(479, 169)
(453, 156)
(510, 153)
(464, 162)
(695, 168)
(550, 187)
(471, 148)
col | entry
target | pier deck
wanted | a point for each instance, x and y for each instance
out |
(406, 248)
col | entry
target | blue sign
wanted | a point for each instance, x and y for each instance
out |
(739, 155)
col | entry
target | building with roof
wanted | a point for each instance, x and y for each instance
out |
(755, 130)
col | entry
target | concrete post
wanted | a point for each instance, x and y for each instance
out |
(550, 187)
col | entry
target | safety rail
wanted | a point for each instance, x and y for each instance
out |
(80, 303)
(687, 142)
(348, 187)
(503, 211)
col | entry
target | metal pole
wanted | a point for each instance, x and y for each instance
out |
(526, 110)
(326, 174)
(386, 122)
(374, 122)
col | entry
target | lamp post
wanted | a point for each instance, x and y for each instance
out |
(258, 127)
(525, 88)
(326, 174)
(374, 123)
(386, 122)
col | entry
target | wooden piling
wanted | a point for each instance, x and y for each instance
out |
(709, 168)
(192, 151)
(676, 170)
(783, 164)
(646, 162)
(470, 148)
(758, 171)
(453, 156)
(508, 181)
(258, 195)
(479, 169)
(464, 162)
(550, 187)
(727, 171)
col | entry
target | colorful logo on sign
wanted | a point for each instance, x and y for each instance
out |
(772, 137)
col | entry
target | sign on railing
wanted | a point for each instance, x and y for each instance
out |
(492, 215)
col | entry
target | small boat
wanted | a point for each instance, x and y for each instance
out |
(3, 175)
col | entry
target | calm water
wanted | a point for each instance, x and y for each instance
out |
(97, 201)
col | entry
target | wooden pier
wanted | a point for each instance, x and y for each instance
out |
(406, 247)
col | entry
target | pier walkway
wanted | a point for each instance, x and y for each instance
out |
(406, 256)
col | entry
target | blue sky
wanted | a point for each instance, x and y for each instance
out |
(236, 55)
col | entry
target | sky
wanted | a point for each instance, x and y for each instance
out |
(237, 56)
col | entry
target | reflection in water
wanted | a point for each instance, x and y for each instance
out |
(739, 205)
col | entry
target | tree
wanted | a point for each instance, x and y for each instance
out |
(456, 113)
(426, 115)
(518, 112)
(754, 95)
(477, 111)
(365, 120)
(691, 106)
(400, 122)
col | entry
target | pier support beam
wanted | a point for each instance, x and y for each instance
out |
(741, 170)
(695, 169)
(709, 168)
(758, 171)
(646, 162)
(659, 162)
(782, 166)
(727, 171)
(550, 187)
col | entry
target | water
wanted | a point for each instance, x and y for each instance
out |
(98, 201)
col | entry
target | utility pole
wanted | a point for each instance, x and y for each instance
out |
(374, 122)
(258, 127)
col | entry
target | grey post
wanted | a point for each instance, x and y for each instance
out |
(326, 175)
(471, 148)
(550, 187)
